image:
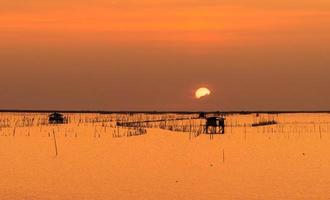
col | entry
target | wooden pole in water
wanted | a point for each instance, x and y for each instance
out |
(55, 142)
(223, 155)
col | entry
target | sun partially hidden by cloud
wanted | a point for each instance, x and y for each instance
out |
(202, 92)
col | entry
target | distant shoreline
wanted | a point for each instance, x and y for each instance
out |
(158, 112)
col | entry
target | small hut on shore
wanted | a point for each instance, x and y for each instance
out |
(56, 118)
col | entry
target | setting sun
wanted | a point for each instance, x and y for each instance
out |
(201, 92)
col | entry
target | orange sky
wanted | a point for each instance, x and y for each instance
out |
(116, 55)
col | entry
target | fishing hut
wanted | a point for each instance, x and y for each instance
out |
(56, 118)
(215, 125)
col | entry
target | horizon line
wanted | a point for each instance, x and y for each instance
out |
(160, 112)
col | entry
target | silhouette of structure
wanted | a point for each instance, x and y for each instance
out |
(202, 115)
(215, 125)
(56, 118)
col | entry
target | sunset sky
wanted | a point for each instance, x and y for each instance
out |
(153, 55)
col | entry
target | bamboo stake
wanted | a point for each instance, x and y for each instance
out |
(55, 143)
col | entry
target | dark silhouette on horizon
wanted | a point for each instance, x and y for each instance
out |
(56, 118)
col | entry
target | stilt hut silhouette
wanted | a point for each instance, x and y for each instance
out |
(56, 118)
(215, 125)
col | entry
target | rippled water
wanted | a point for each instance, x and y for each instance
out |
(290, 160)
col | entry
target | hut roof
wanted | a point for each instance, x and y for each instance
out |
(215, 118)
(56, 114)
